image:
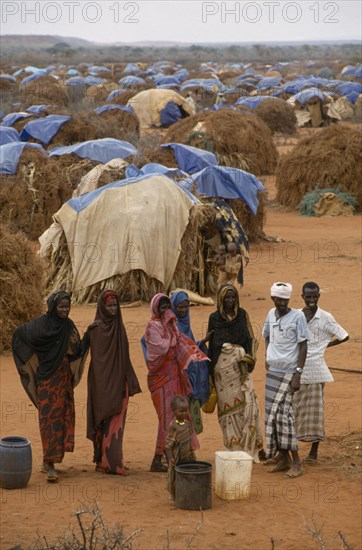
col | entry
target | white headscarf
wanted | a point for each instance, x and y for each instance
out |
(281, 290)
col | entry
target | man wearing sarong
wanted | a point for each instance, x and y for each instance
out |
(308, 402)
(286, 334)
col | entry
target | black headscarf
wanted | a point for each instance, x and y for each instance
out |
(110, 368)
(48, 337)
(232, 331)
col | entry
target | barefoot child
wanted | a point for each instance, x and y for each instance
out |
(179, 440)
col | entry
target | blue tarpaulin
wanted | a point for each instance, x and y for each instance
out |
(229, 183)
(100, 150)
(191, 159)
(254, 101)
(181, 75)
(105, 108)
(161, 80)
(352, 97)
(270, 82)
(358, 72)
(207, 84)
(131, 68)
(127, 81)
(306, 95)
(33, 76)
(92, 80)
(37, 108)
(11, 118)
(77, 81)
(8, 135)
(10, 154)
(95, 69)
(170, 114)
(222, 106)
(44, 129)
(348, 70)
(295, 86)
(348, 87)
(153, 168)
(8, 77)
(115, 94)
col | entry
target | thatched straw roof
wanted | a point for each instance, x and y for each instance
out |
(21, 280)
(279, 116)
(29, 198)
(240, 140)
(43, 90)
(332, 157)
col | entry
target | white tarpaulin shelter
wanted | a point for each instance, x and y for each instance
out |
(148, 104)
(133, 224)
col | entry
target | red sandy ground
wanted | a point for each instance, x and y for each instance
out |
(326, 250)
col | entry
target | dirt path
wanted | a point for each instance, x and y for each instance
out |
(325, 250)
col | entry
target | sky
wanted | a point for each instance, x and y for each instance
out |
(108, 21)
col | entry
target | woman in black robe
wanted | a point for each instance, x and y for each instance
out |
(232, 349)
(50, 358)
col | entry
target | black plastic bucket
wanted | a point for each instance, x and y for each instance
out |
(193, 485)
(15, 462)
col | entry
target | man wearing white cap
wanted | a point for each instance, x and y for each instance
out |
(308, 403)
(286, 333)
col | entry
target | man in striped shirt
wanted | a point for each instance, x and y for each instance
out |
(308, 402)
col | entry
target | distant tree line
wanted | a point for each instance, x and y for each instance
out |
(190, 56)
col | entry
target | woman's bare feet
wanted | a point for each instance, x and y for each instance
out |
(157, 465)
(295, 471)
(52, 475)
(281, 466)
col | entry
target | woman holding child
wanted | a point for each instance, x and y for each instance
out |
(232, 349)
(168, 353)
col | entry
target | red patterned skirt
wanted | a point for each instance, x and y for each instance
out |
(56, 414)
(108, 443)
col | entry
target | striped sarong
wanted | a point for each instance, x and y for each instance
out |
(308, 405)
(279, 416)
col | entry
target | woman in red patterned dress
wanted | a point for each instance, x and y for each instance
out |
(50, 358)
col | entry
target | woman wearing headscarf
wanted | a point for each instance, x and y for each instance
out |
(168, 353)
(232, 349)
(111, 381)
(197, 371)
(50, 358)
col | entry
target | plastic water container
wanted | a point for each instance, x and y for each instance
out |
(232, 474)
(15, 462)
(193, 485)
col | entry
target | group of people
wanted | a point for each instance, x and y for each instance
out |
(50, 356)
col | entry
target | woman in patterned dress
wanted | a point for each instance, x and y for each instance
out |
(232, 349)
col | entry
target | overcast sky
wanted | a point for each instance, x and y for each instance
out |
(185, 20)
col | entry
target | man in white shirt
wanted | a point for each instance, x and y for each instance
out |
(308, 403)
(286, 333)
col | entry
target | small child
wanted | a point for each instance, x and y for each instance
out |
(179, 440)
